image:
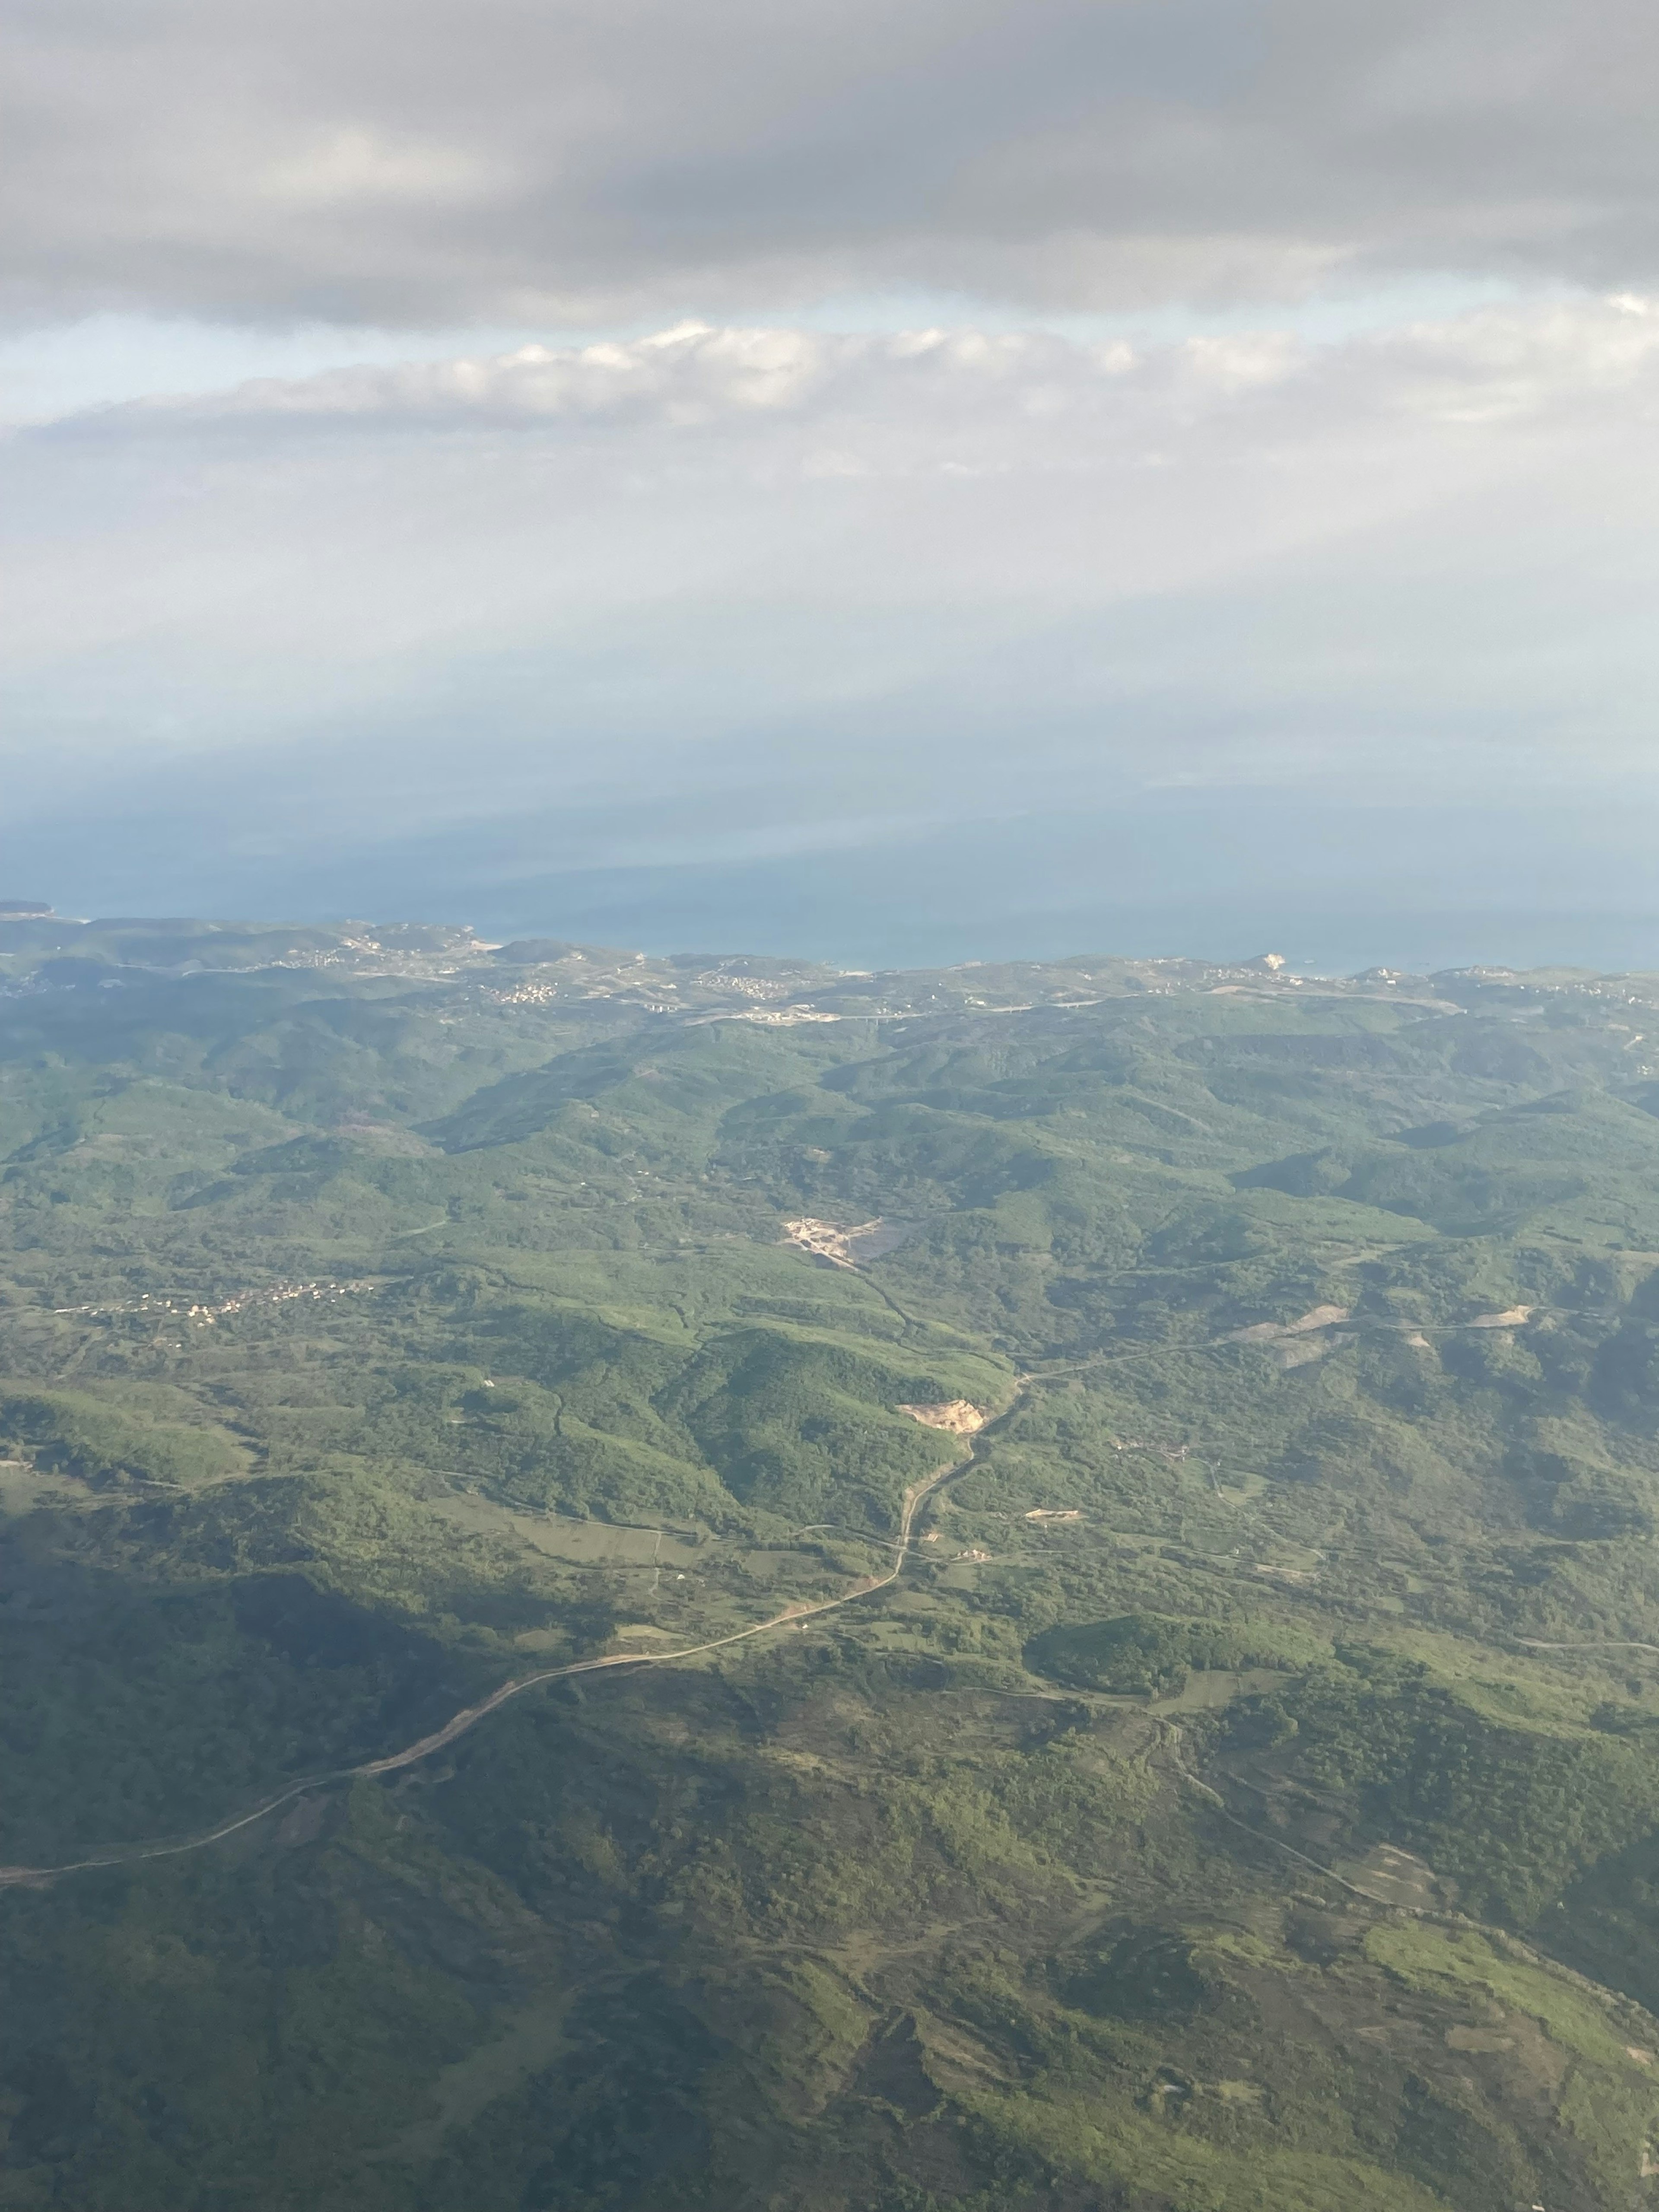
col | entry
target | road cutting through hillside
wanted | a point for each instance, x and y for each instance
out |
(1597, 1643)
(468, 1718)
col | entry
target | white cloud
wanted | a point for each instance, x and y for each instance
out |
(1020, 389)
(1341, 554)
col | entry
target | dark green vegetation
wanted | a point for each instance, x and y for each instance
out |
(1246, 1799)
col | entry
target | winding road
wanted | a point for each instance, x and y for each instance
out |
(469, 1716)
(1596, 1644)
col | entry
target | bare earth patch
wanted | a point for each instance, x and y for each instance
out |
(1270, 1331)
(848, 1248)
(957, 1415)
(1293, 1343)
(1400, 1878)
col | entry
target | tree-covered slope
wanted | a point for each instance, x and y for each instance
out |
(1245, 1795)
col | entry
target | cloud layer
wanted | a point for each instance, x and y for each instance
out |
(1280, 463)
(1230, 558)
(1509, 365)
(434, 161)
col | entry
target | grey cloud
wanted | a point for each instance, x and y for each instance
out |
(440, 160)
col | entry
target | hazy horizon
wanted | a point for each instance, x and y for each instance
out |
(1173, 873)
(694, 470)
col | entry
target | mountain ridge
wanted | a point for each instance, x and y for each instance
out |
(384, 1322)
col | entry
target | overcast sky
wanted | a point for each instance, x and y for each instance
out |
(899, 481)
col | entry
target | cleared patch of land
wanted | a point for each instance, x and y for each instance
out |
(851, 1247)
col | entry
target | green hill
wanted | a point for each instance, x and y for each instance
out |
(1192, 1435)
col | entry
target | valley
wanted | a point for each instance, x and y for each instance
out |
(1031, 1589)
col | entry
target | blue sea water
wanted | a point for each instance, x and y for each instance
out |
(1333, 885)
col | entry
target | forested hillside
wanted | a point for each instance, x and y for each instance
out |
(1191, 1431)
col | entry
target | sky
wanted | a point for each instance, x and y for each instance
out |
(899, 483)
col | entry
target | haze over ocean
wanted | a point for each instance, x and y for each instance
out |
(1184, 873)
(894, 486)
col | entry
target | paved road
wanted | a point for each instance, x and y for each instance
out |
(470, 1716)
